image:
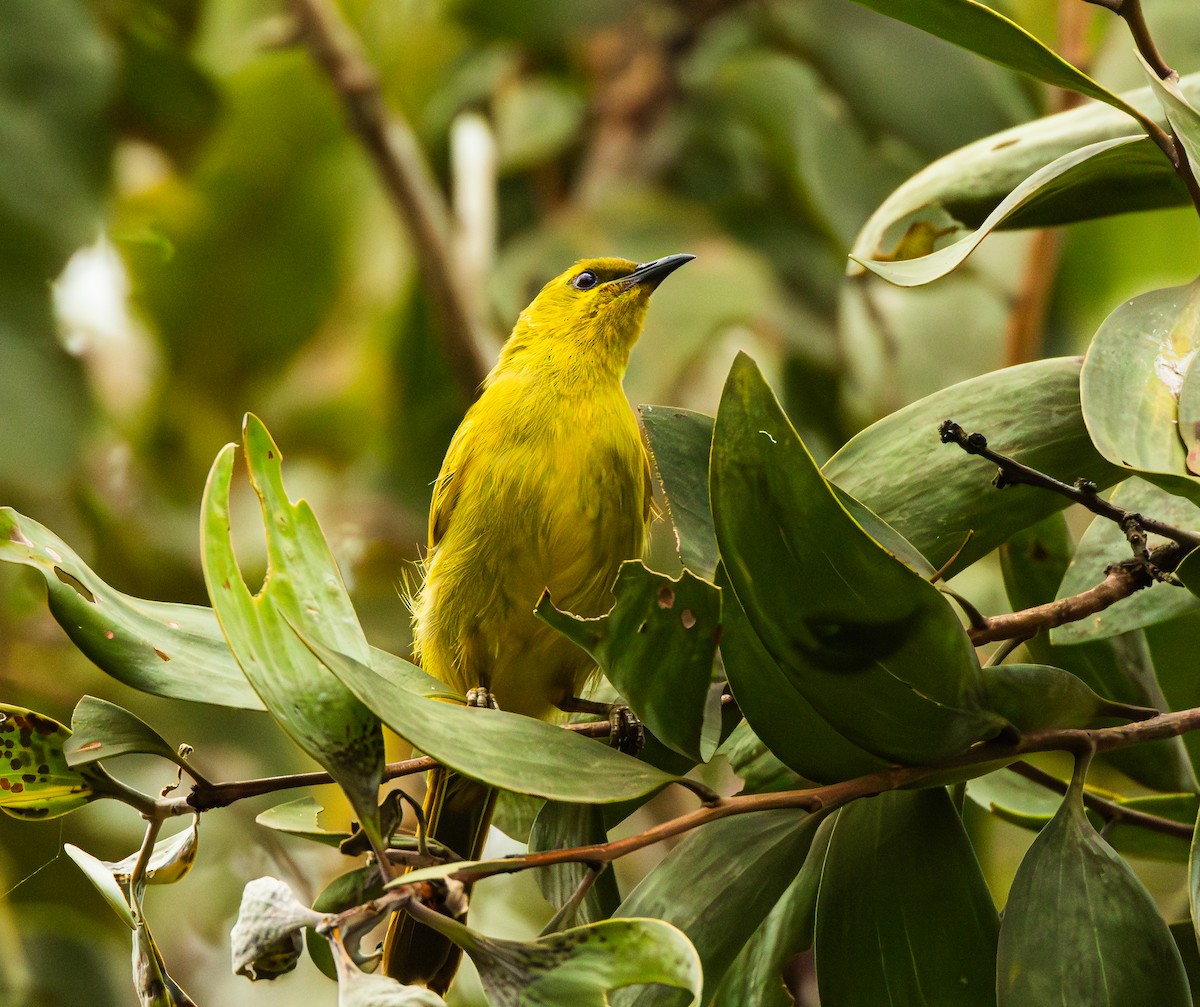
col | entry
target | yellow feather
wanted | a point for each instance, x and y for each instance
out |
(545, 486)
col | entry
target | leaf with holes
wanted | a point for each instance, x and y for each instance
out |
(656, 647)
(303, 587)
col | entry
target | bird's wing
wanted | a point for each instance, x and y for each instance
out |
(449, 483)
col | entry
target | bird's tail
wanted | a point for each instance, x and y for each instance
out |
(458, 812)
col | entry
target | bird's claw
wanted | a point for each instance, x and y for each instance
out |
(627, 735)
(481, 698)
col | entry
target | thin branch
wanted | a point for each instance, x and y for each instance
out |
(1110, 811)
(392, 145)
(1015, 473)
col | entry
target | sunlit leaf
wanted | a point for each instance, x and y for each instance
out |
(1079, 927)
(911, 272)
(170, 860)
(1130, 384)
(875, 648)
(671, 624)
(300, 818)
(901, 878)
(36, 782)
(303, 588)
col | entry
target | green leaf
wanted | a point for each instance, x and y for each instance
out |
(154, 985)
(1184, 119)
(1037, 697)
(1121, 667)
(901, 878)
(301, 818)
(99, 874)
(354, 888)
(302, 588)
(507, 750)
(1130, 383)
(1103, 543)
(789, 725)
(562, 826)
(680, 443)
(668, 624)
(989, 34)
(758, 768)
(170, 860)
(581, 965)
(1079, 927)
(757, 972)
(912, 272)
(36, 782)
(874, 647)
(939, 498)
(103, 730)
(719, 898)
(168, 650)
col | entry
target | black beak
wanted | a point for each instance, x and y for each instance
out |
(651, 274)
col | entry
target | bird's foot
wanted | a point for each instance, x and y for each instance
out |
(627, 735)
(481, 698)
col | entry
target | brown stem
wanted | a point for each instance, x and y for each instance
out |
(393, 148)
(1108, 810)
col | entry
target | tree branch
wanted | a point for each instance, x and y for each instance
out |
(393, 148)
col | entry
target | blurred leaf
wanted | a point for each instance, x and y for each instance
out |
(969, 183)
(912, 272)
(871, 645)
(1103, 543)
(680, 443)
(169, 650)
(561, 826)
(901, 878)
(303, 587)
(99, 874)
(671, 624)
(1034, 562)
(354, 888)
(936, 497)
(103, 730)
(507, 750)
(1079, 927)
(1130, 383)
(1036, 697)
(792, 730)
(535, 119)
(170, 860)
(36, 781)
(300, 818)
(719, 900)
(265, 940)
(991, 35)
(1029, 805)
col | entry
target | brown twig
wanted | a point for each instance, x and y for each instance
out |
(1110, 811)
(392, 145)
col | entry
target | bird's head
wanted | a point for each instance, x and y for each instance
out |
(593, 312)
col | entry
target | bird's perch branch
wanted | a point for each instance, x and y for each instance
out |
(393, 148)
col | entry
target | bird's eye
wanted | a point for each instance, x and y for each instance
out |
(584, 281)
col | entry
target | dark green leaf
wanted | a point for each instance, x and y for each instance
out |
(1034, 562)
(901, 879)
(936, 496)
(719, 899)
(1036, 697)
(303, 588)
(1079, 927)
(874, 647)
(991, 35)
(507, 750)
(1130, 383)
(756, 765)
(561, 826)
(35, 780)
(666, 625)
(792, 730)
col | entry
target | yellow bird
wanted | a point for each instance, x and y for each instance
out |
(546, 485)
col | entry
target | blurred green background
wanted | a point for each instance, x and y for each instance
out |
(188, 231)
